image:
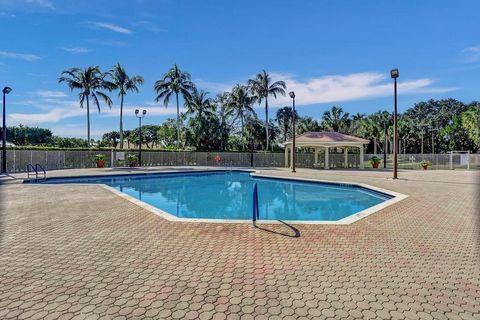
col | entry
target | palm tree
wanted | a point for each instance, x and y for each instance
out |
(284, 118)
(124, 83)
(307, 124)
(241, 104)
(89, 81)
(335, 119)
(175, 81)
(197, 102)
(262, 87)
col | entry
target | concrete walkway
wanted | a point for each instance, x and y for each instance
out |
(69, 251)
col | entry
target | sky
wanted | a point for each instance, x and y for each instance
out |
(330, 52)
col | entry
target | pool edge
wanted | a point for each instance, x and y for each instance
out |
(396, 197)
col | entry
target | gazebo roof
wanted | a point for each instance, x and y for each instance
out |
(325, 138)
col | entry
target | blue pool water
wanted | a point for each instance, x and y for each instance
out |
(229, 195)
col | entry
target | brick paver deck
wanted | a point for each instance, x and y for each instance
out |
(74, 252)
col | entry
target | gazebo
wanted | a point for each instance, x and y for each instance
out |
(326, 140)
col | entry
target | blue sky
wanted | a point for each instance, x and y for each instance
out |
(329, 52)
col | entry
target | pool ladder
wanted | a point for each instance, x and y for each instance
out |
(255, 211)
(36, 169)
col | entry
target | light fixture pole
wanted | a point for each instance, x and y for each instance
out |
(292, 95)
(394, 74)
(140, 116)
(385, 142)
(6, 91)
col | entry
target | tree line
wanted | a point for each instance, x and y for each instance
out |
(228, 121)
(435, 126)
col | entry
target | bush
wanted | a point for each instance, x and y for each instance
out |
(131, 160)
(99, 157)
(424, 163)
(375, 159)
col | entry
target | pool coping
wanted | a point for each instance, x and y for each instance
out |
(396, 197)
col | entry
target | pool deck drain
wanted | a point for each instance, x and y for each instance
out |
(82, 252)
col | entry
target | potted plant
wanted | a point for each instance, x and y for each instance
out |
(425, 164)
(375, 161)
(100, 160)
(132, 160)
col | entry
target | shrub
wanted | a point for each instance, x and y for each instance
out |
(375, 159)
(99, 157)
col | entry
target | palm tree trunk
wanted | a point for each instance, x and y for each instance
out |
(243, 133)
(266, 120)
(88, 120)
(178, 120)
(285, 131)
(121, 121)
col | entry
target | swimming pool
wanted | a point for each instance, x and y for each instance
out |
(229, 195)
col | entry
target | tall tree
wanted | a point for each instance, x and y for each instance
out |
(263, 87)
(307, 124)
(336, 119)
(240, 103)
(198, 103)
(174, 82)
(284, 119)
(89, 81)
(124, 83)
(224, 114)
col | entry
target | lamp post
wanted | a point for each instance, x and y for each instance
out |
(385, 145)
(6, 91)
(140, 116)
(394, 74)
(292, 95)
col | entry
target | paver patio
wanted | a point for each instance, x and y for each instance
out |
(74, 252)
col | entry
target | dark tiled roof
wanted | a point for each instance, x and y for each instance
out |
(328, 137)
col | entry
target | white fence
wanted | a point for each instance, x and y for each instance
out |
(17, 160)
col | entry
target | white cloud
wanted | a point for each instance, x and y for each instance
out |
(470, 54)
(22, 56)
(65, 109)
(41, 3)
(76, 49)
(50, 94)
(113, 27)
(148, 25)
(339, 88)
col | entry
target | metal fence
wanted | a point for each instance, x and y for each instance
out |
(17, 160)
(437, 161)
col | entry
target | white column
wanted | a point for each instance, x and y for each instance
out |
(316, 156)
(286, 156)
(361, 158)
(327, 165)
(345, 158)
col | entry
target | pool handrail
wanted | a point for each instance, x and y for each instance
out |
(255, 211)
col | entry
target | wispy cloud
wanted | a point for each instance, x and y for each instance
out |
(55, 110)
(148, 25)
(113, 27)
(470, 54)
(340, 88)
(50, 94)
(76, 49)
(22, 56)
(41, 3)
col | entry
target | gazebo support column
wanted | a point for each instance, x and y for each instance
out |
(316, 156)
(327, 165)
(345, 158)
(286, 156)
(361, 158)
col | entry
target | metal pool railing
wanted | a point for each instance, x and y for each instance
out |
(255, 211)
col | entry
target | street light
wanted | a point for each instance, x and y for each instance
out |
(292, 95)
(140, 116)
(6, 91)
(395, 74)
